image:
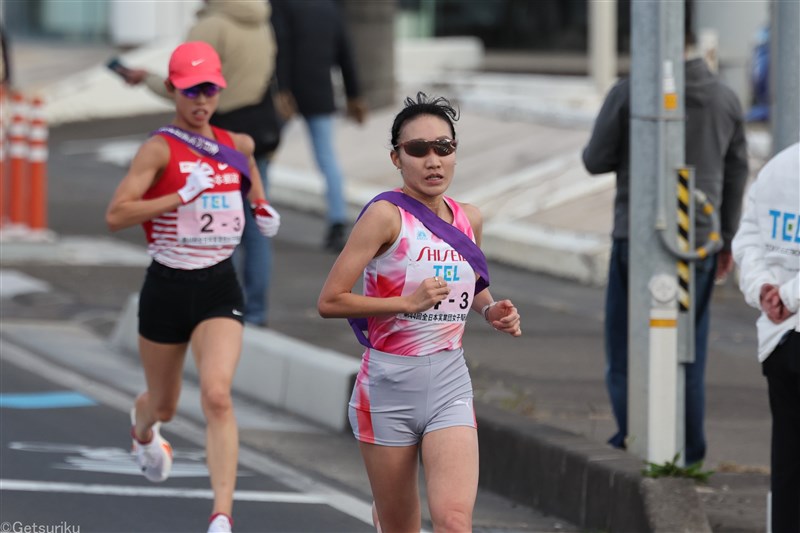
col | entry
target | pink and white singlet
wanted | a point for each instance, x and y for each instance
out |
(206, 230)
(415, 380)
(418, 254)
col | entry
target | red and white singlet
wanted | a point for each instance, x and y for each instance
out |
(205, 231)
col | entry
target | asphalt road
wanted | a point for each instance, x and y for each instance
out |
(65, 461)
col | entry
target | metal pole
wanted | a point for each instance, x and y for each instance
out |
(603, 43)
(785, 73)
(657, 150)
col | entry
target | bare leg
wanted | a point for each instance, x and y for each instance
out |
(216, 345)
(450, 457)
(163, 370)
(393, 472)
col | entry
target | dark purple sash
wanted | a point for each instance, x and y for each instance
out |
(447, 232)
(213, 149)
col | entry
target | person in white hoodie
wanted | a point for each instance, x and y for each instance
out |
(767, 249)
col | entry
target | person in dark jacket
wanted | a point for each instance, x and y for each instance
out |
(5, 66)
(312, 40)
(716, 147)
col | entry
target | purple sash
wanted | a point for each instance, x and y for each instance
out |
(447, 232)
(214, 150)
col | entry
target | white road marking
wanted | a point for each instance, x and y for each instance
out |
(259, 462)
(13, 282)
(154, 492)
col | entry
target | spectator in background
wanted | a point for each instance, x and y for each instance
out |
(767, 250)
(5, 67)
(237, 29)
(759, 78)
(716, 147)
(312, 39)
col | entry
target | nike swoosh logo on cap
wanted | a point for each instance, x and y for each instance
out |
(197, 62)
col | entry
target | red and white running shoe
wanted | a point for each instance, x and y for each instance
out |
(220, 523)
(154, 457)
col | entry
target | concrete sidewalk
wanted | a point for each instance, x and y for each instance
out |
(519, 161)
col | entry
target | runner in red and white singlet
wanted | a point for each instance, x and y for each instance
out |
(189, 186)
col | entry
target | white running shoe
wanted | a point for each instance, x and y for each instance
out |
(220, 523)
(155, 457)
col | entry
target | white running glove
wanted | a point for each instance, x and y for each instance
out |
(267, 218)
(198, 180)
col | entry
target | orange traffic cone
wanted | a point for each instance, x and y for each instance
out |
(37, 166)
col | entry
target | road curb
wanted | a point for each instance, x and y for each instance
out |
(585, 482)
(306, 380)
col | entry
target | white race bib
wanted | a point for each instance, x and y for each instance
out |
(459, 277)
(213, 219)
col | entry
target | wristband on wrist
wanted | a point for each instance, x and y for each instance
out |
(485, 310)
(255, 205)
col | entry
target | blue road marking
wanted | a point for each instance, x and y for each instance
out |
(45, 400)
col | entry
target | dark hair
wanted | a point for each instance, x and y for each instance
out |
(424, 105)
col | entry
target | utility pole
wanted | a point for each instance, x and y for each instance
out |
(655, 379)
(784, 74)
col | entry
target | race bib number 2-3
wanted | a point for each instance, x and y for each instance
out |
(459, 277)
(214, 219)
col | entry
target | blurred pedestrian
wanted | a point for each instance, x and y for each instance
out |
(312, 40)
(5, 65)
(716, 147)
(417, 250)
(241, 33)
(187, 186)
(767, 250)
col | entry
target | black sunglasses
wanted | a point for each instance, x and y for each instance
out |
(208, 89)
(420, 148)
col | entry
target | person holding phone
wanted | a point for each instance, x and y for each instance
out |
(189, 185)
(413, 393)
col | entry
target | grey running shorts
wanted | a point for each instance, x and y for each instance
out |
(398, 399)
(173, 302)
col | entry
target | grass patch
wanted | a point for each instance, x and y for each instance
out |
(673, 469)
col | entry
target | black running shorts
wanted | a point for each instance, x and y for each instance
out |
(173, 302)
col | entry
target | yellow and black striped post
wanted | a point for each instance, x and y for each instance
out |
(684, 239)
(685, 243)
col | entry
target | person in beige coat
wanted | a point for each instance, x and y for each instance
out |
(241, 33)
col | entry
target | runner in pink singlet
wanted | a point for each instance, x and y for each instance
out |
(413, 393)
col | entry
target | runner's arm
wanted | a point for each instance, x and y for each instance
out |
(127, 207)
(245, 144)
(501, 315)
(372, 235)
